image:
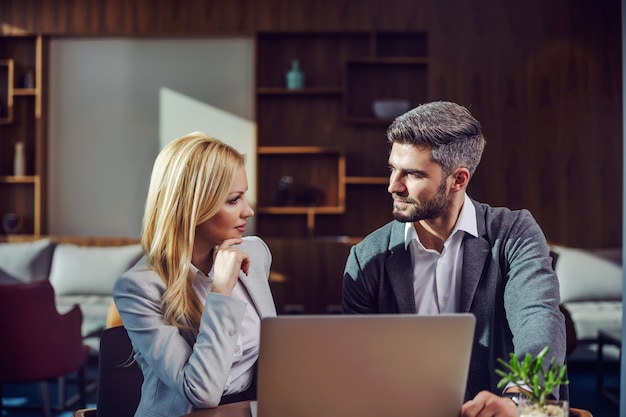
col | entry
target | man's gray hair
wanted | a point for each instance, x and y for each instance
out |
(449, 129)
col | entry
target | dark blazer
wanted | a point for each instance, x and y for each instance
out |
(507, 282)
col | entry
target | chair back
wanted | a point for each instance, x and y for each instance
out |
(119, 375)
(38, 343)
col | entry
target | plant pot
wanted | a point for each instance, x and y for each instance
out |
(552, 408)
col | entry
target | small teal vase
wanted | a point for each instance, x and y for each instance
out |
(294, 77)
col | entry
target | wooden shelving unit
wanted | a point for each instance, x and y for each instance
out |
(308, 181)
(21, 120)
(325, 135)
(6, 91)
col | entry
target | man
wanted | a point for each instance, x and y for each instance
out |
(446, 253)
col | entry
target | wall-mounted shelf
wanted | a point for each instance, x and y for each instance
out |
(344, 73)
(367, 180)
(25, 92)
(21, 120)
(301, 91)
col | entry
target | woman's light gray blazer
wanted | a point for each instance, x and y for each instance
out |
(183, 371)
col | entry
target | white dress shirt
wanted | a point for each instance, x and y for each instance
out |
(437, 276)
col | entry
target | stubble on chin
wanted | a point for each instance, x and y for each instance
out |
(403, 215)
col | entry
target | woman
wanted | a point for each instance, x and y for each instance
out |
(192, 307)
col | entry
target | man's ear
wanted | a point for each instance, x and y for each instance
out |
(460, 179)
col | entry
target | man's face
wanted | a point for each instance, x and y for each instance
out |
(416, 183)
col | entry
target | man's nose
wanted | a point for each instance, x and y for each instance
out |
(395, 183)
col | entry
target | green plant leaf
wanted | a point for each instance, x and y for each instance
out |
(532, 372)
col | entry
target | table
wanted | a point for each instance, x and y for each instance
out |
(613, 337)
(240, 409)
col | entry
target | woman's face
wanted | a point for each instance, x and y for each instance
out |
(230, 220)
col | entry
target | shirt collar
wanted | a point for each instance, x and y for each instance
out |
(199, 275)
(466, 223)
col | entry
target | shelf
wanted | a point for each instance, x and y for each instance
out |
(301, 210)
(367, 180)
(310, 136)
(389, 61)
(321, 56)
(302, 150)
(278, 91)
(301, 179)
(23, 179)
(24, 91)
(22, 120)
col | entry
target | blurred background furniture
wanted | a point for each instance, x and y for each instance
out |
(38, 343)
(82, 271)
(607, 337)
(119, 377)
(591, 294)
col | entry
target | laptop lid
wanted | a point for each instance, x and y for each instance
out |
(364, 365)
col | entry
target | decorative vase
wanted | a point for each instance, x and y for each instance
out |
(11, 223)
(19, 164)
(552, 408)
(294, 77)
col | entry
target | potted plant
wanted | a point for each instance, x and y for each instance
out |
(536, 382)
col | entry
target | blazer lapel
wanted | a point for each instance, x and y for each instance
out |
(399, 270)
(260, 294)
(475, 253)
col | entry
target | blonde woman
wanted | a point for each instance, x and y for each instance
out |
(192, 307)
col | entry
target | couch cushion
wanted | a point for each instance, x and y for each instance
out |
(90, 269)
(26, 261)
(591, 316)
(93, 307)
(6, 278)
(584, 276)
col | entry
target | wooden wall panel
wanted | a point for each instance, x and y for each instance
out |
(129, 17)
(543, 77)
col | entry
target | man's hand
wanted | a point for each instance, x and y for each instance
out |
(488, 404)
(228, 261)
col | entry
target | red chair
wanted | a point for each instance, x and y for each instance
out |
(39, 344)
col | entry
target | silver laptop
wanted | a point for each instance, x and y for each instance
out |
(363, 365)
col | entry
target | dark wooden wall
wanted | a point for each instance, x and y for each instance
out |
(543, 77)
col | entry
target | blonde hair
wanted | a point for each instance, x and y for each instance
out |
(190, 182)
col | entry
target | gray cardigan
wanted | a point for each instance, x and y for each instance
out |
(183, 371)
(507, 282)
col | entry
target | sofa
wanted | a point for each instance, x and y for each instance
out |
(82, 271)
(591, 293)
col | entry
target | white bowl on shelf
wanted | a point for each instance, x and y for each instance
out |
(388, 109)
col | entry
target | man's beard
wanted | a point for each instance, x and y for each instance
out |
(427, 210)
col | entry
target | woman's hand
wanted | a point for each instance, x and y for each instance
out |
(228, 260)
(488, 404)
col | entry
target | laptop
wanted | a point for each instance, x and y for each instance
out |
(363, 365)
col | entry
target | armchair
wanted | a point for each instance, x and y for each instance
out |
(38, 343)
